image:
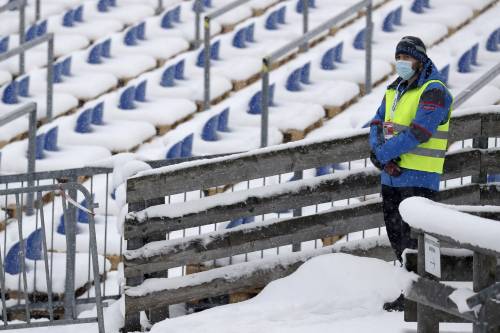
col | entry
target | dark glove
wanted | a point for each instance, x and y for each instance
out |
(392, 169)
(375, 162)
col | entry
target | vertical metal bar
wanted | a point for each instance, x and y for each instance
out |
(197, 21)
(48, 274)
(22, 29)
(483, 275)
(22, 253)
(2, 285)
(426, 321)
(264, 125)
(50, 81)
(305, 23)
(297, 211)
(70, 230)
(37, 10)
(106, 229)
(206, 83)
(368, 49)
(160, 7)
(31, 158)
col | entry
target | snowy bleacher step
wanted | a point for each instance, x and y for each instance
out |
(235, 278)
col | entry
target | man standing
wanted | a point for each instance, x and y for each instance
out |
(408, 136)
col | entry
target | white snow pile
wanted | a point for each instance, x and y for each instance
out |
(326, 290)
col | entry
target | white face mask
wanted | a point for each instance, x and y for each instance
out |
(404, 69)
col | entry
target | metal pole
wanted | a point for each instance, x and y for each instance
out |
(50, 81)
(206, 83)
(197, 21)
(22, 28)
(264, 104)
(37, 10)
(31, 158)
(160, 7)
(305, 23)
(368, 48)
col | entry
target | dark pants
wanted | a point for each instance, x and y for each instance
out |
(398, 230)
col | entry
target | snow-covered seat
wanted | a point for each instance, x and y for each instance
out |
(125, 13)
(275, 26)
(452, 14)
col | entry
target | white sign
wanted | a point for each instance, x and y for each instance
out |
(432, 256)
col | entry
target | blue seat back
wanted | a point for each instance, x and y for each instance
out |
(95, 55)
(339, 50)
(83, 122)
(282, 15)
(388, 22)
(127, 99)
(187, 146)
(57, 72)
(98, 114)
(215, 50)
(83, 216)
(105, 48)
(209, 131)
(140, 31)
(50, 143)
(68, 19)
(177, 14)
(174, 151)
(222, 125)
(272, 21)
(130, 37)
(13, 259)
(34, 245)
(239, 38)
(4, 44)
(102, 6)
(250, 33)
(473, 57)
(66, 66)
(61, 228)
(491, 43)
(167, 20)
(445, 73)
(207, 3)
(293, 80)
(30, 33)
(9, 95)
(200, 60)
(359, 40)
(23, 86)
(323, 170)
(198, 6)
(140, 91)
(179, 70)
(240, 221)
(41, 28)
(39, 143)
(78, 14)
(464, 62)
(426, 3)
(305, 74)
(168, 76)
(255, 103)
(398, 16)
(327, 61)
(417, 6)
(112, 3)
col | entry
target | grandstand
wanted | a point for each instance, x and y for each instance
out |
(124, 90)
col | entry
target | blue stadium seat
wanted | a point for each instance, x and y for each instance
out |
(215, 50)
(102, 6)
(187, 146)
(254, 105)
(23, 86)
(339, 50)
(388, 22)
(495, 178)
(97, 114)
(167, 20)
(282, 15)
(78, 14)
(4, 44)
(12, 262)
(105, 50)
(292, 81)
(464, 62)
(130, 37)
(327, 61)
(66, 66)
(168, 76)
(41, 28)
(209, 131)
(61, 228)
(305, 74)
(177, 14)
(250, 33)
(198, 6)
(473, 56)
(83, 122)
(140, 31)
(445, 73)
(39, 143)
(57, 72)
(240, 221)
(174, 151)
(200, 60)
(34, 245)
(207, 3)
(30, 33)
(272, 21)
(50, 143)
(83, 216)
(179, 70)
(112, 3)
(68, 19)
(113, 194)
(426, 3)
(491, 43)
(239, 38)
(359, 40)
(222, 125)
(337, 166)
(9, 95)
(417, 6)
(95, 55)
(140, 91)
(323, 170)
(398, 16)
(127, 99)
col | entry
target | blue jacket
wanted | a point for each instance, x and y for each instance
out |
(433, 110)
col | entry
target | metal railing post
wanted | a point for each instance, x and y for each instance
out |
(50, 79)
(206, 65)
(37, 10)
(305, 23)
(22, 29)
(264, 104)
(160, 7)
(197, 9)
(368, 49)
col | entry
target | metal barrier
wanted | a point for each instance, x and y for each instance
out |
(474, 87)
(269, 61)
(21, 5)
(30, 266)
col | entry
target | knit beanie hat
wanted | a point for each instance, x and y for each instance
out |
(412, 46)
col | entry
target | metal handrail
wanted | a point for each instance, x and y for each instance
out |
(269, 60)
(475, 86)
(21, 5)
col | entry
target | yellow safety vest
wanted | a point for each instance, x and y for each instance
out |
(428, 156)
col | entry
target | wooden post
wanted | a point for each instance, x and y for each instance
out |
(427, 322)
